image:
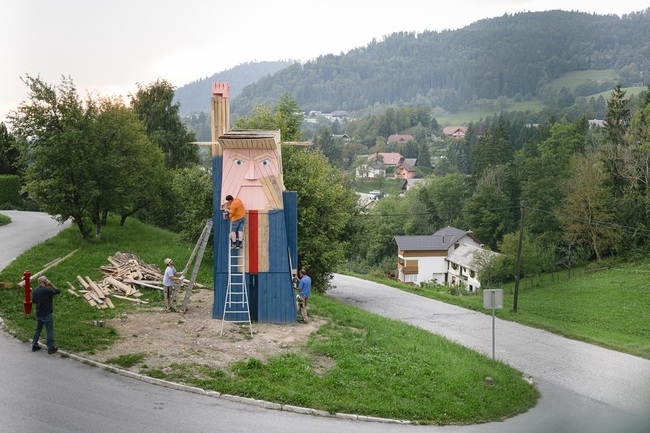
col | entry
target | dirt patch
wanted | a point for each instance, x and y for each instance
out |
(194, 336)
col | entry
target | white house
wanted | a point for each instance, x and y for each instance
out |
(424, 258)
(464, 266)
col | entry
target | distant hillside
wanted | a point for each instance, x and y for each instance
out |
(195, 97)
(513, 56)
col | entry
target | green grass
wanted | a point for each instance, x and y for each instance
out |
(608, 307)
(629, 91)
(4, 219)
(572, 79)
(356, 363)
(365, 364)
(127, 361)
(387, 186)
(73, 316)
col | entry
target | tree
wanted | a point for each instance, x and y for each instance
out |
(325, 207)
(289, 117)
(384, 220)
(531, 254)
(332, 149)
(132, 167)
(618, 115)
(459, 155)
(488, 212)
(152, 104)
(87, 158)
(424, 156)
(543, 169)
(196, 183)
(444, 199)
(487, 266)
(286, 116)
(325, 202)
(494, 149)
(627, 163)
(9, 152)
(58, 129)
(587, 209)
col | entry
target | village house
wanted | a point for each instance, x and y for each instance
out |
(424, 258)
(342, 137)
(404, 171)
(463, 266)
(399, 138)
(411, 183)
(455, 131)
(387, 158)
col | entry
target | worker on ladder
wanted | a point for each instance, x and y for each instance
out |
(237, 215)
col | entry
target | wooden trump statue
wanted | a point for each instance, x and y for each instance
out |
(250, 168)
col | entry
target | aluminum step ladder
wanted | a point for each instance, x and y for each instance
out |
(236, 308)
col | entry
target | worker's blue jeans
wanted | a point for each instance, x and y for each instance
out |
(48, 322)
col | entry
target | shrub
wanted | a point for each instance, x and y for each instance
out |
(9, 191)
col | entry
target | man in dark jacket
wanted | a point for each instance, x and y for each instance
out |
(42, 297)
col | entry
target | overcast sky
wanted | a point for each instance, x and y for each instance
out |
(108, 46)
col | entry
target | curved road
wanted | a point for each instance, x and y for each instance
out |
(584, 388)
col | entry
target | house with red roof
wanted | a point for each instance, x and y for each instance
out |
(455, 131)
(400, 138)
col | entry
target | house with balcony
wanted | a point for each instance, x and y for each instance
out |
(424, 258)
(464, 266)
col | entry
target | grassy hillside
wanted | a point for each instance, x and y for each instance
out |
(73, 314)
(570, 80)
(608, 305)
(375, 366)
(466, 117)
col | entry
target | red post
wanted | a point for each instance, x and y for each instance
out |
(28, 292)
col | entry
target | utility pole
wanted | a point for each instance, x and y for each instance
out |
(518, 267)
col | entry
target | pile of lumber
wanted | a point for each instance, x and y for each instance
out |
(124, 276)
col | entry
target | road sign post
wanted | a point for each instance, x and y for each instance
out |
(493, 298)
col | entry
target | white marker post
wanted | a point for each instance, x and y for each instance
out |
(493, 298)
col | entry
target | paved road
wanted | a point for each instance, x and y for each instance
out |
(583, 383)
(26, 230)
(584, 389)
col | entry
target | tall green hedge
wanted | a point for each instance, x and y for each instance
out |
(9, 191)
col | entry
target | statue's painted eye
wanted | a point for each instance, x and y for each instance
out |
(239, 162)
(265, 162)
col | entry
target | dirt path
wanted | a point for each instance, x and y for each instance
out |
(167, 337)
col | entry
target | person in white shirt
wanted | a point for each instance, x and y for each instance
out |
(168, 281)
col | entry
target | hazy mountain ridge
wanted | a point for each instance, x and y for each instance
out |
(195, 97)
(512, 56)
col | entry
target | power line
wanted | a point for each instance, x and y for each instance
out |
(591, 221)
(629, 229)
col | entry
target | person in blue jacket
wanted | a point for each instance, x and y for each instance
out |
(304, 290)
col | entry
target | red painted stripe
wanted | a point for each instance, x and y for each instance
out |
(253, 242)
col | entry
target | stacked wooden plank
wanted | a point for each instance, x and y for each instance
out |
(124, 275)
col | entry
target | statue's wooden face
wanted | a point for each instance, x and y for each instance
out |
(253, 175)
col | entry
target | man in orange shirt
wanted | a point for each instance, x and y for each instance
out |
(237, 220)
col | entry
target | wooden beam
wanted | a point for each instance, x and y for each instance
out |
(130, 299)
(47, 268)
(119, 285)
(142, 283)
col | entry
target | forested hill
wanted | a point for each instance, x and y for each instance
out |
(512, 56)
(195, 97)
